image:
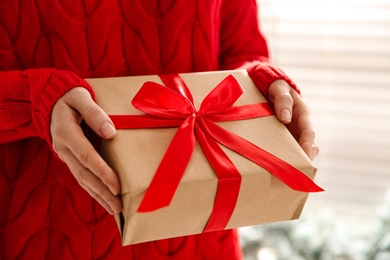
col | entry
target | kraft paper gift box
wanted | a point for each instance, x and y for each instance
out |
(245, 193)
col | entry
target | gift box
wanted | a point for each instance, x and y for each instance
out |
(199, 152)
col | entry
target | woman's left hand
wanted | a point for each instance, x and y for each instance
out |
(291, 110)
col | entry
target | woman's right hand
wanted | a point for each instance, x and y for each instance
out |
(71, 145)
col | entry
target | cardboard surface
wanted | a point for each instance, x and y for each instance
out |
(135, 154)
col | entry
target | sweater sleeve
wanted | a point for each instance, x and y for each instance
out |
(243, 46)
(27, 99)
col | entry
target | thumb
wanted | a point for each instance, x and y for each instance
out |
(80, 99)
(280, 97)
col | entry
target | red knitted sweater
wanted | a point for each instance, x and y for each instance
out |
(46, 48)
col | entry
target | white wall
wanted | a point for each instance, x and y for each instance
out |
(339, 54)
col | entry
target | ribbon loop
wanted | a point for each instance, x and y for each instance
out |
(164, 102)
(222, 96)
(177, 84)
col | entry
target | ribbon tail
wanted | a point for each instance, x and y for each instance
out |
(288, 174)
(229, 182)
(167, 178)
(242, 112)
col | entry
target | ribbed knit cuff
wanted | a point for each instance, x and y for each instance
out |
(46, 87)
(264, 73)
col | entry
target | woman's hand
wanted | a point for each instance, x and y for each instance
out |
(71, 145)
(293, 111)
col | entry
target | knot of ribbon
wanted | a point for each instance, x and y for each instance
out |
(172, 105)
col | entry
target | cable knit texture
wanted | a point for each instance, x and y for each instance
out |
(46, 48)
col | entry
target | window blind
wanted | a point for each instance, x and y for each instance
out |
(338, 52)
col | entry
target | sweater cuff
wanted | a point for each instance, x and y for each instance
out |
(264, 73)
(46, 87)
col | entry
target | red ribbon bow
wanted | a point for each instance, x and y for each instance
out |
(172, 105)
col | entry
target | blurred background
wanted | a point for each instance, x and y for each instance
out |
(338, 52)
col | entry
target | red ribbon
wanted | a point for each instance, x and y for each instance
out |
(172, 105)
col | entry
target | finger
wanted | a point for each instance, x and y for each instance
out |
(304, 131)
(315, 150)
(279, 93)
(80, 99)
(92, 184)
(75, 168)
(306, 141)
(99, 199)
(311, 150)
(86, 154)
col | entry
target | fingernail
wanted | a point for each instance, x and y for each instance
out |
(113, 207)
(314, 150)
(107, 130)
(285, 115)
(112, 189)
(108, 208)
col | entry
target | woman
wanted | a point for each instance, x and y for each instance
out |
(56, 190)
